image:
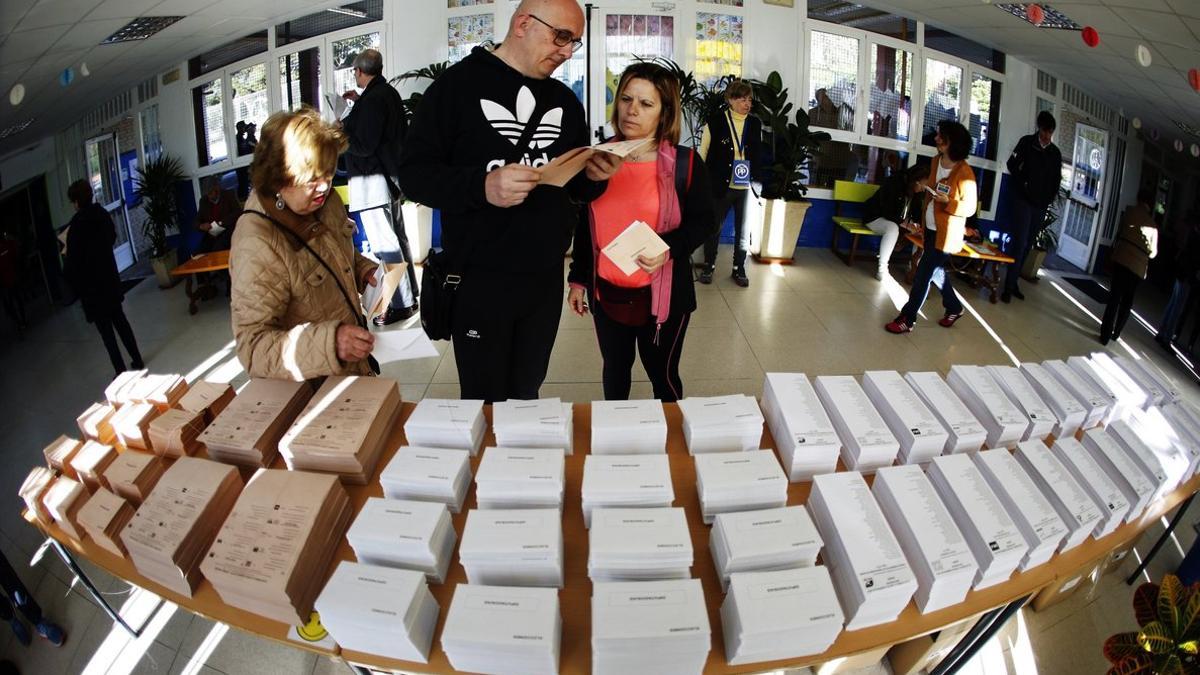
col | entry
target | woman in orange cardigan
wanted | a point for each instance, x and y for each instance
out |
(949, 200)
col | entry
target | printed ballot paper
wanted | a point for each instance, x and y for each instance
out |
(628, 428)
(1021, 392)
(375, 298)
(541, 423)
(867, 442)
(1097, 404)
(1035, 517)
(922, 437)
(639, 544)
(1067, 496)
(636, 240)
(625, 481)
(379, 610)
(1137, 487)
(343, 428)
(740, 481)
(247, 431)
(513, 547)
(730, 423)
(1091, 476)
(808, 444)
(966, 433)
(1069, 412)
(447, 423)
(649, 627)
(765, 539)
(520, 478)
(1004, 421)
(779, 614)
(402, 533)
(502, 630)
(404, 344)
(428, 475)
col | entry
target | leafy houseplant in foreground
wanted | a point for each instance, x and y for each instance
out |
(1168, 635)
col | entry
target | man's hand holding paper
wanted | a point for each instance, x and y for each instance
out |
(638, 247)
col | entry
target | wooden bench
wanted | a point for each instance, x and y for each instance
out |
(849, 192)
(209, 262)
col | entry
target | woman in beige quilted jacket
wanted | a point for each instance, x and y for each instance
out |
(296, 275)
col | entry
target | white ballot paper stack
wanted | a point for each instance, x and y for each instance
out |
(1105, 493)
(1069, 412)
(447, 423)
(503, 630)
(1041, 419)
(808, 444)
(966, 433)
(987, 527)
(1172, 445)
(1163, 472)
(513, 547)
(1004, 421)
(1172, 393)
(1156, 393)
(379, 610)
(867, 443)
(1128, 475)
(938, 553)
(1096, 403)
(1034, 515)
(767, 539)
(248, 430)
(639, 545)
(428, 475)
(1186, 429)
(544, 423)
(1126, 387)
(628, 428)
(742, 481)
(922, 437)
(520, 478)
(779, 614)
(1119, 404)
(730, 423)
(625, 481)
(1076, 508)
(639, 239)
(649, 627)
(401, 533)
(873, 580)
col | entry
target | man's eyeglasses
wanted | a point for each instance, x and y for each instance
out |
(562, 36)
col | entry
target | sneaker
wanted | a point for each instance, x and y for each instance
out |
(21, 631)
(51, 631)
(899, 325)
(740, 278)
(706, 275)
(1006, 297)
(948, 320)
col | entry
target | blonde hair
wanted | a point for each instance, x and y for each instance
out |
(295, 148)
(667, 86)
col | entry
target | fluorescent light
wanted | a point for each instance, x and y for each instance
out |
(348, 12)
(140, 29)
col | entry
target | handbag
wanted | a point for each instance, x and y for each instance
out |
(626, 306)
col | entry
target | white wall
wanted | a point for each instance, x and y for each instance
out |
(416, 37)
(772, 42)
(28, 162)
(175, 121)
(1017, 117)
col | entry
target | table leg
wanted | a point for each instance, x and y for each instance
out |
(69, 561)
(984, 630)
(193, 297)
(994, 285)
(1183, 507)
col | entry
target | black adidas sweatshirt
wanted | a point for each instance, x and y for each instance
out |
(469, 123)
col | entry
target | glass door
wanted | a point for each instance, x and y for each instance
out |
(1087, 189)
(104, 174)
(619, 37)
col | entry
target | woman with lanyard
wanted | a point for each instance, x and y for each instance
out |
(729, 146)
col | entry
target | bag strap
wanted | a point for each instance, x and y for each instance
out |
(683, 181)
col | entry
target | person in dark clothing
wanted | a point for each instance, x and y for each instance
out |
(1187, 265)
(10, 279)
(475, 150)
(17, 596)
(218, 207)
(1035, 166)
(376, 127)
(730, 147)
(894, 206)
(1134, 246)
(92, 271)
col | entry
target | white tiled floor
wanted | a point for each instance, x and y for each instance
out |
(817, 316)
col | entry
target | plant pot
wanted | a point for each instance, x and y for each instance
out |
(418, 225)
(777, 230)
(1033, 263)
(163, 265)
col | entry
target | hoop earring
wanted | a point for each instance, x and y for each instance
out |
(279, 203)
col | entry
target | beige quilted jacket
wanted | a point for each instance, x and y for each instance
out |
(285, 307)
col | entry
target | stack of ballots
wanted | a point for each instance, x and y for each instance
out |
(649, 627)
(1163, 473)
(742, 481)
(922, 437)
(807, 442)
(1122, 470)
(248, 430)
(721, 423)
(1074, 505)
(628, 428)
(1126, 387)
(1069, 411)
(503, 629)
(401, 533)
(1004, 421)
(1036, 518)
(542, 423)
(867, 443)
(1096, 404)
(628, 481)
(1091, 476)
(873, 580)
(1021, 392)
(1119, 401)
(779, 614)
(966, 433)
(520, 478)
(447, 423)
(379, 610)
(428, 474)
(767, 539)
(639, 544)
(513, 547)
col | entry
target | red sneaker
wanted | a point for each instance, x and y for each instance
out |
(899, 325)
(948, 320)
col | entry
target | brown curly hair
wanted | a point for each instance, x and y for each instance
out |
(295, 148)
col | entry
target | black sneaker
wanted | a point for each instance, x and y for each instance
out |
(740, 278)
(392, 315)
(706, 275)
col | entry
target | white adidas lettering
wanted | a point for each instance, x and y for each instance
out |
(512, 124)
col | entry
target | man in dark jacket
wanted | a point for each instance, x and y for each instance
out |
(376, 127)
(1187, 269)
(1035, 166)
(217, 207)
(92, 271)
(479, 140)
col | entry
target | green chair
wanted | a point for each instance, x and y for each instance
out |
(849, 192)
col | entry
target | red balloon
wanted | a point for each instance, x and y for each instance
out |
(1090, 37)
(1035, 14)
(1194, 79)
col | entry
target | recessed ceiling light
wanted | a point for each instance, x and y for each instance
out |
(16, 94)
(1051, 18)
(140, 28)
(83, 70)
(16, 128)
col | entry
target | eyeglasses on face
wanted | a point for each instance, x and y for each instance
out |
(562, 36)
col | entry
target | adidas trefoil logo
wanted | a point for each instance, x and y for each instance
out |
(512, 124)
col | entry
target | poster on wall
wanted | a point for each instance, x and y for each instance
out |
(1088, 161)
(129, 170)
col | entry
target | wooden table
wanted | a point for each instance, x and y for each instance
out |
(208, 262)
(968, 262)
(575, 596)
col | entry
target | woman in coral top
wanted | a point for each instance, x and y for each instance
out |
(950, 198)
(645, 312)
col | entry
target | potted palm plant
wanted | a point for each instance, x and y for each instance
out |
(155, 184)
(788, 146)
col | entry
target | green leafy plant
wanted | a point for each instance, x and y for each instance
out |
(697, 100)
(155, 183)
(790, 144)
(430, 72)
(1168, 635)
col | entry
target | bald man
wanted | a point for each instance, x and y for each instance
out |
(475, 150)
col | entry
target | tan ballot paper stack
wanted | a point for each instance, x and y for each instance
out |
(161, 391)
(133, 475)
(118, 391)
(207, 397)
(174, 433)
(63, 500)
(34, 489)
(103, 517)
(91, 461)
(343, 427)
(96, 423)
(247, 432)
(272, 553)
(132, 425)
(169, 534)
(60, 453)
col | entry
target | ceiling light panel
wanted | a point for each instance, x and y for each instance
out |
(1054, 18)
(140, 28)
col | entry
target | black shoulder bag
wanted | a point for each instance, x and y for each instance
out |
(354, 309)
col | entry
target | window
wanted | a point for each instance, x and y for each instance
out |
(103, 173)
(890, 101)
(718, 46)
(226, 54)
(835, 161)
(300, 79)
(250, 107)
(328, 21)
(1043, 104)
(982, 55)
(985, 115)
(573, 72)
(628, 37)
(209, 111)
(464, 33)
(344, 52)
(833, 80)
(151, 140)
(853, 15)
(943, 81)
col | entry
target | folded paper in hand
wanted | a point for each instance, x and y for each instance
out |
(402, 345)
(563, 168)
(622, 149)
(216, 229)
(387, 279)
(637, 240)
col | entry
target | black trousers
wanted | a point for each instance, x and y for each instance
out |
(105, 324)
(659, 349)
(503, 329)
(1120, 302)
(1027, 220)
(15, 594)
(736, 200)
